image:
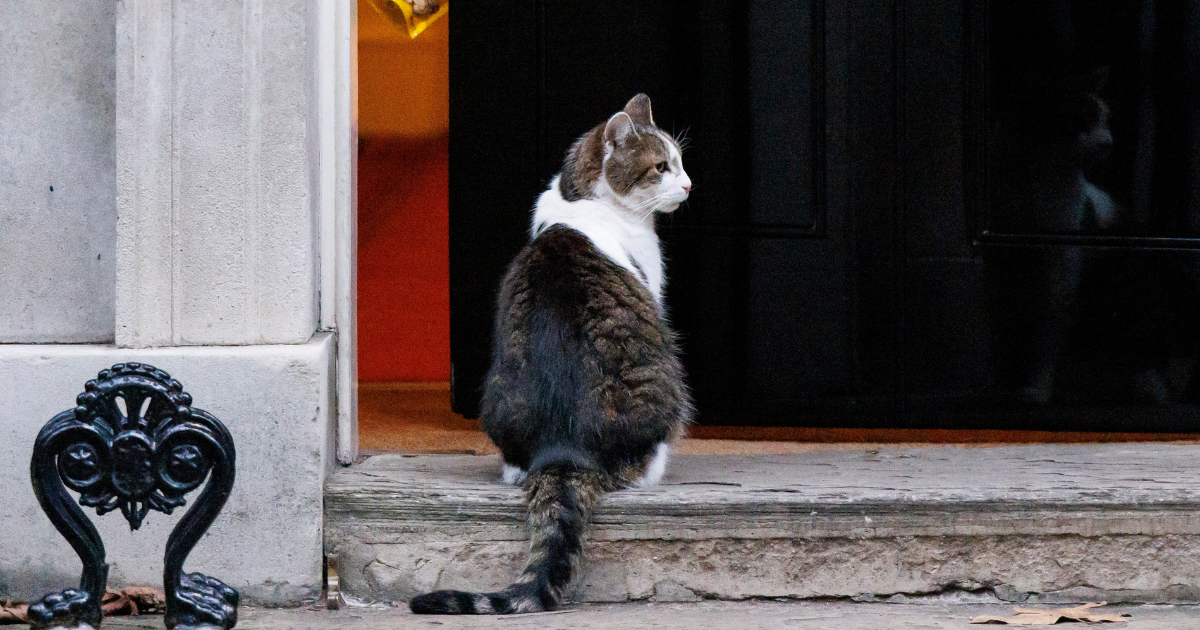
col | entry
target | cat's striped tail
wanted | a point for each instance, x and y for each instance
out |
(561, 497)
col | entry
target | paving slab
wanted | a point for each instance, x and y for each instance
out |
(1039, 523)
(739, 615)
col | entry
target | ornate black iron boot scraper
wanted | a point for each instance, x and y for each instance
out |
(134, 443)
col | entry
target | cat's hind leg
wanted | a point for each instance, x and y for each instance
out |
(655, 468)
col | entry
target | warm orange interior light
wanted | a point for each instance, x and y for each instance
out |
(403, 215)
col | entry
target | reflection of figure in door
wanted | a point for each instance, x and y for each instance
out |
(1055, 169)
(1047, 136)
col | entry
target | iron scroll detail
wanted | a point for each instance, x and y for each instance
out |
(134, 443)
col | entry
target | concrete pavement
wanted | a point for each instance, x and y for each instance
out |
(793, 615)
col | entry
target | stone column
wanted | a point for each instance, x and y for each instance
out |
(216, 163)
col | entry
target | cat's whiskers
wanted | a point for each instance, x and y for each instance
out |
(650, 205)
(681, 139)
(641, 211)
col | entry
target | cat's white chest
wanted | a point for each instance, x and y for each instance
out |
(628, 243)
(645, 251)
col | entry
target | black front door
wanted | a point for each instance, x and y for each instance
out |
(848, 256)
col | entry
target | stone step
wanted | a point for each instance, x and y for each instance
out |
(1040, 523)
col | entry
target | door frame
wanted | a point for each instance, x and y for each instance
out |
(336, 62)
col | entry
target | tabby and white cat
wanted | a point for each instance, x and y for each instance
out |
(586, 392)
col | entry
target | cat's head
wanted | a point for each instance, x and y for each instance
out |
(627, 162)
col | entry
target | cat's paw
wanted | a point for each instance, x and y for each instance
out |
(204, 602)
(655, 468)
(512, 475)
(69, 608)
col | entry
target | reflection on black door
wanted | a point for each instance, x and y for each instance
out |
(1094, 197)
(976, 215)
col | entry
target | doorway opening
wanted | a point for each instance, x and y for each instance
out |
(404, 253)
(403, 238)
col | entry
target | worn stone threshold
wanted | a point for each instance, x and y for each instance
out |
(1030, 523)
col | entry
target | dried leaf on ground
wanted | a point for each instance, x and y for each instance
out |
(149, 600)
(13, 613)
(1035, 617)
(133, 600)
(117, 603)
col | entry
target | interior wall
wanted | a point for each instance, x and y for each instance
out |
(403, 83)
(403, 208)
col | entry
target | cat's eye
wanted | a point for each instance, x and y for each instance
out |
(661, 167)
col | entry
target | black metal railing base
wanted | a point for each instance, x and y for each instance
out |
(134, 443)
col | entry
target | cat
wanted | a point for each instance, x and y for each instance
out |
(586, 391)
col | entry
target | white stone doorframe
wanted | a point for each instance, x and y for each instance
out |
(337, 89)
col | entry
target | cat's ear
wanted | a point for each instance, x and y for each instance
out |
(619, 127)
(638, 109)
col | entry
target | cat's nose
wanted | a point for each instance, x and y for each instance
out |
(687, 189)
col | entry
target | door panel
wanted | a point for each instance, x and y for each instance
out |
(493, 174)
(1084, 189)
(786, 48)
